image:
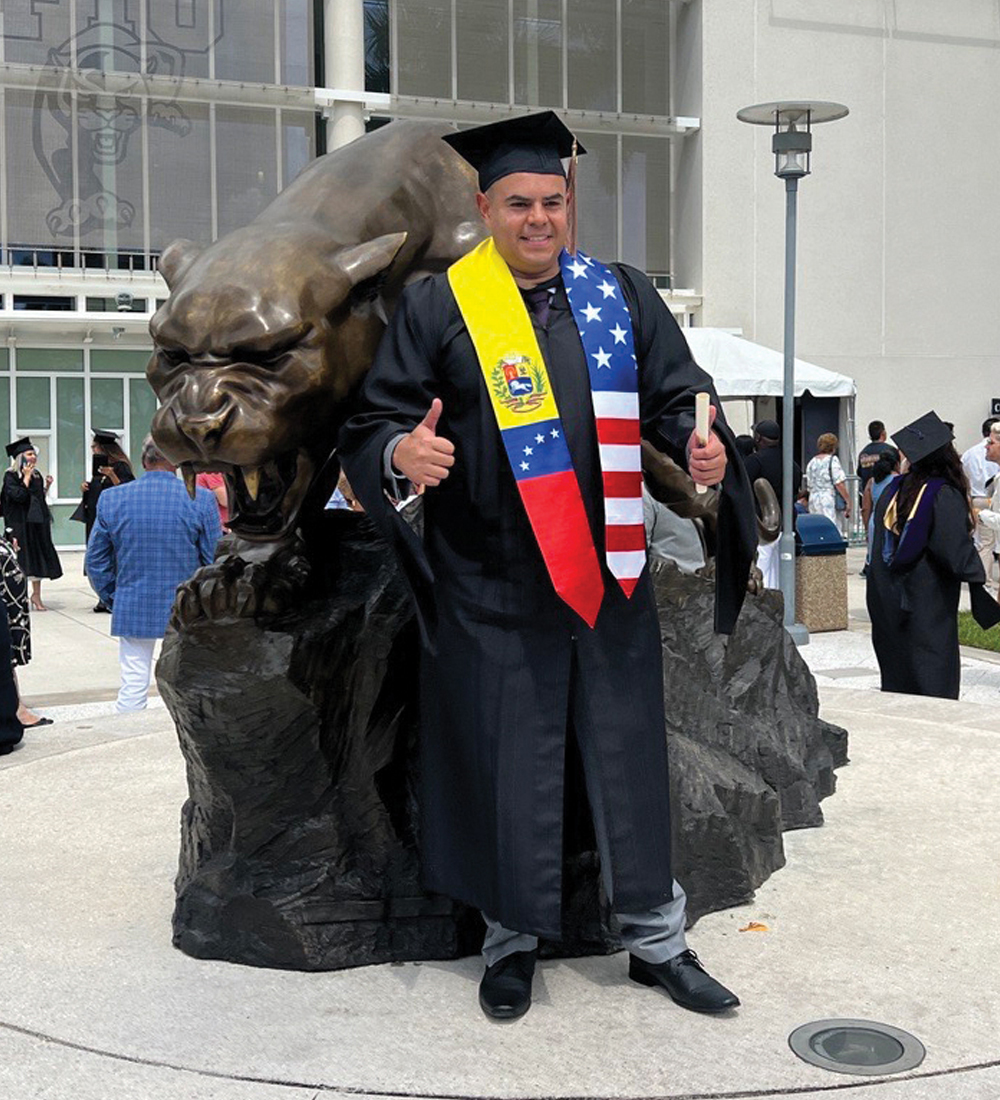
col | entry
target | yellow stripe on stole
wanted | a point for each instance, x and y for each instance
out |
(889, 519)
(497, 319)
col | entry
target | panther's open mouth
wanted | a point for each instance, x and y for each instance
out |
(264, 501)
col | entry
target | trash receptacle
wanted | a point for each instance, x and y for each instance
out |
(820, 574)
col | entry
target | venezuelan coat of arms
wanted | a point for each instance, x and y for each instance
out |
(519, 384)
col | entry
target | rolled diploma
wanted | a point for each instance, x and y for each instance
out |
(701, 403)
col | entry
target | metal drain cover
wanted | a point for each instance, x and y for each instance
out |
(856, 1046)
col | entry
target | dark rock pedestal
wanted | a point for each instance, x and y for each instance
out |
(299, 836)
(298, 844)
(749, 756)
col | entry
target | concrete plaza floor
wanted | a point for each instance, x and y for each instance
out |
(887, 913)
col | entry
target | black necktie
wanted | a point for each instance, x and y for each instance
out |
(537, 300)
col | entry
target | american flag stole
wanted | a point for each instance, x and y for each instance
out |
(605, 327)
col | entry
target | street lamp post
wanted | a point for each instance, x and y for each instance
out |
(792, 145)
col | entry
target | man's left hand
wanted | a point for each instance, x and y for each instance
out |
(707, 463)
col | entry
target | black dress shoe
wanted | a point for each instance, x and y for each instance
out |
(100, 606)
(505, 991)
(686, 980)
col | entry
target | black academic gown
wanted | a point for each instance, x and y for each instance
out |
(509, 671)
(766, 463)
(11, 730)
(88, 505)
(27, 515)
(914, 612)
(86, 510)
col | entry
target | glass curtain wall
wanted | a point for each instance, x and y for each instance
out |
(105, 163)
(125, 124)
(58, 396)
(600, 57)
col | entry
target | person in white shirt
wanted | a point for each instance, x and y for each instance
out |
(980, 470)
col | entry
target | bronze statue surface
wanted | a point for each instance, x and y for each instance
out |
(267, 330)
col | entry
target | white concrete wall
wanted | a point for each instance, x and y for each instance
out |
(899, 224)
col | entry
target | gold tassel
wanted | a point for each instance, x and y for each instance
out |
(571, 202)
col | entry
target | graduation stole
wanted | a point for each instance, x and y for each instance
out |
(531, 429)
(900, 552)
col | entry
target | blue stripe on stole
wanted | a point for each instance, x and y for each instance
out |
(537, 449)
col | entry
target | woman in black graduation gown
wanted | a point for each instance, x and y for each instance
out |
(111, 466)
(922, 551)
(22, 501)
(11, 729)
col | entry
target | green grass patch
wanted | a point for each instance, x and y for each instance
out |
(971, 634)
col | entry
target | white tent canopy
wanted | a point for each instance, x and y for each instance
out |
(741, 368)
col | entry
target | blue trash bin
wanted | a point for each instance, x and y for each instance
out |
(816, 536)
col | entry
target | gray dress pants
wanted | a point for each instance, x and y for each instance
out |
(653, 935)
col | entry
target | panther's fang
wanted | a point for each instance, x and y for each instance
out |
(251, 478)
(189, 479)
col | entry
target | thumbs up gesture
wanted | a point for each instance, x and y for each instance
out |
(423, 456)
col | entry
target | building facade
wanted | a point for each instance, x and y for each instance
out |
(125, 124)
(899, 229)
(129, 123)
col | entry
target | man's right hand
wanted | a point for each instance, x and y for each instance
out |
(424, 457)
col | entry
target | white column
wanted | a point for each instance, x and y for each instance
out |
(344, 55)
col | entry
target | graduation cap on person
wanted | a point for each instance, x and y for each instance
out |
(923, 437)
(535, 143)
(105, 435)
(18, 447)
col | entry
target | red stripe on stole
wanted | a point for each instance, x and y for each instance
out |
(559, 521)
(622, 483)
(611, 430)
(624, 536)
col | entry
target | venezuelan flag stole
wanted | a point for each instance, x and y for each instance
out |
(532, 433)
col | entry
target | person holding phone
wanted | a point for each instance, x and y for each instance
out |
(110, 466)
(22, 501)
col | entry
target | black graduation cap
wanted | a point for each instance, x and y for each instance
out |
(105, 435)
(19, 446)
(534, 143)
(923, 437)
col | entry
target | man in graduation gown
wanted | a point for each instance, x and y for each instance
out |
(537, 611)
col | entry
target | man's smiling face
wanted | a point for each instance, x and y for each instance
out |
(527, 215)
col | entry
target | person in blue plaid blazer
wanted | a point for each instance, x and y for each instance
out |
(149, 537)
